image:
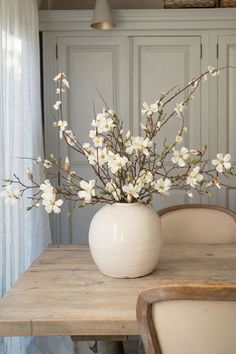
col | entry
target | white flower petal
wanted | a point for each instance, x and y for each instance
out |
(220, 157)
(56, 209)
(219, 168)
(227, 157)
(227, 165)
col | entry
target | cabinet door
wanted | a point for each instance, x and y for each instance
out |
(92, 65)
(160, 63)
(226, 119)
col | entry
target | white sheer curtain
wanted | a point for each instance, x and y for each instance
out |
(23, 234)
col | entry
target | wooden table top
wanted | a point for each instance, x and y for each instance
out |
(63, 293)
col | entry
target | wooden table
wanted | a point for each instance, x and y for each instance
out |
(63, 293)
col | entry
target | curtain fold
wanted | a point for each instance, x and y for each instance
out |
(23, 234)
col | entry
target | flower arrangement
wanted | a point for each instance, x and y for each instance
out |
(127, 168)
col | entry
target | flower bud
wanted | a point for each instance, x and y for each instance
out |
(190, 194)
(216, 182)
(29, 174)
(195, 152)
(67, 164)
(128, 134)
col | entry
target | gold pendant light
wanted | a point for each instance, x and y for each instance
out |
(102, 18)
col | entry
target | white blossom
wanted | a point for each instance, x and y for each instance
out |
(179, 157)
(163, 186)
(57, 105)
(47, 163)
(139, 144)
(11, 195)
(92, 133)
(87, 149)
(87, 191)
(111, 112)
(113, 190)
(38, 160)
(103, 122)
(92, 158)
(145, 177)
(179, 108)
(179, 137)
(47, 189)
(61, 77)
(62, 124)
(213, 71)
(117, 162)
(132, 191)
(65, 83)
(49, 198)
(222, 162)
(98, 141)
(102, 156)
(70, 138)
(51, 204)
(194, 177)
(152, 108)
(105, 125)
(149, 110)
(98, 156)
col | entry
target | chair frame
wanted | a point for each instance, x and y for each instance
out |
(196, 206)
(225, 292)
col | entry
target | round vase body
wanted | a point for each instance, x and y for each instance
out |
(125, 240)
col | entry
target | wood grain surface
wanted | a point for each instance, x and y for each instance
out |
(63, 292)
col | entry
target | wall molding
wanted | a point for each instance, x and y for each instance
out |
(151, 19)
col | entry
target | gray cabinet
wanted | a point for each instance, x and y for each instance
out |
(130, 65)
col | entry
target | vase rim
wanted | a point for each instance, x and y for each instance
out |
(127, 204)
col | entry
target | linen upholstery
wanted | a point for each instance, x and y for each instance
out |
(195, 327)
(198, 225)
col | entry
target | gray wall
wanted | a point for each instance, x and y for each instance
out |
(89, 4)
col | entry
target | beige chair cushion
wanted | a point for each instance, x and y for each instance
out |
(196, 327)
(198, 225)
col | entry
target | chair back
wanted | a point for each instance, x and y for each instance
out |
(188, 320)
(197, 224)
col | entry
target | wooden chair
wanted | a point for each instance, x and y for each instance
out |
(197, 224)
(188, 320)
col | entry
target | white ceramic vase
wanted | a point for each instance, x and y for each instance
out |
(125, 240)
